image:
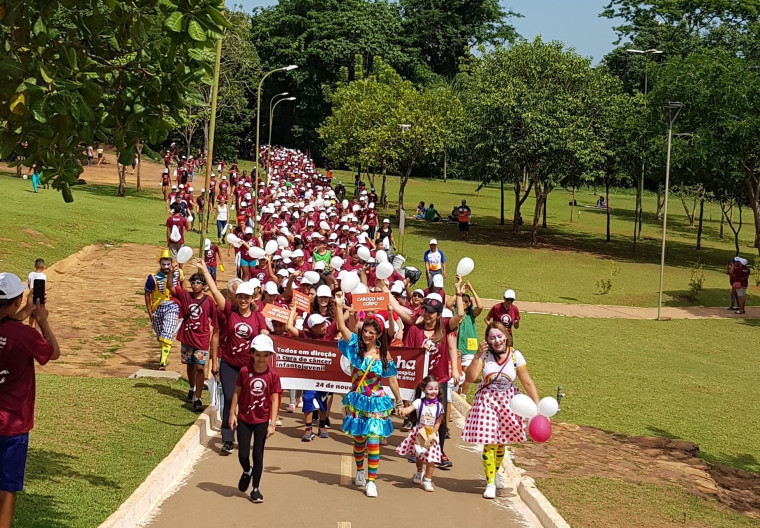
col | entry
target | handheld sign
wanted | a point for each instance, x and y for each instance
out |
(370, 302)
(275, 313)
(302, 301)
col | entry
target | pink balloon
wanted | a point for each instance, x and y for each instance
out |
(540, 428)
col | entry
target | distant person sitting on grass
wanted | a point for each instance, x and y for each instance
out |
(600, 203)
(21, 347)
(431, 215)
(421, 211)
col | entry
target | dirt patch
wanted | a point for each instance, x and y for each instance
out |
(97, 311)
(580, 452)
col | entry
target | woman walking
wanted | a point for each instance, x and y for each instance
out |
(368, 408)
(490, 421)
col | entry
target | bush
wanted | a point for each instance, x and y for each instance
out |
(604, 286)
(696, 281)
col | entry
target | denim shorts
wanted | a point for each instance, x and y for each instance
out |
(193, 356)
(13, 451)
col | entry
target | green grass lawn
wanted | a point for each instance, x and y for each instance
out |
(94, 442)
(688, 379)
(572, 257)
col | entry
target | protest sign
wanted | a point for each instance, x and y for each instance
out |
(302, 301)
(276, 313)
(370, 302)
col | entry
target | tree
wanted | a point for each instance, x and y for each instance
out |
(79, 71)
(445, 30)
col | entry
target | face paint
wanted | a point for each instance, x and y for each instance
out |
(431, 390)
(497, 340)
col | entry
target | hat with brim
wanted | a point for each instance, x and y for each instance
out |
(10, 286)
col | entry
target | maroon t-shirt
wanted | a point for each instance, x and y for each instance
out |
(256, 390)
(20, 345)
(181, 224)
(195, 330)
(506, 317)
(260, 273)
(209, 256)
(438, 364)
(237, 334)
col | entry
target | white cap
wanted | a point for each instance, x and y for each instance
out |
(421, 292)
(324, 291)
(256, 283)
(509, 294)
(283, 273)
(319, 265)
(248, 230)
(744, 261)
(314, 320)
(263, 343)
(434, 296)
(297, 253)
(10, 286)
(271, 288)
(206, 244)
(398, 287)
(386, 221)
(245, 288)
(433, 241)
(438, 281)
(306, 280)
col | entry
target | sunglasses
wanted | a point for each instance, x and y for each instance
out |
(197, 282)
(417, 295)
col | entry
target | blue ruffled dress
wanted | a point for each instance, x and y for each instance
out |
(368, 410)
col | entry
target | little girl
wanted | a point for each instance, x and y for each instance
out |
(423, 438)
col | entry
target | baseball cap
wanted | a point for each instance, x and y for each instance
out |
(744, 262)
(398, 287)
(432, 305)
(737, 259)
(438, 281)
(10, 286)
(248, 230)
(245, 288)
(315, 319)
(509, 294)
(320, 266)
(386, 221)
(418, 292)
(271, 288)
(297, 253)
(263, 343)
(324, 291)
(433, 242)
(207, 244)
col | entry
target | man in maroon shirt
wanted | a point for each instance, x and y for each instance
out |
(505, 312)
(20, 346)
(175, 230)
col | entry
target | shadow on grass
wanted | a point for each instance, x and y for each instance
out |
(44, 468)
(743, 461)
(164, 389)
(664, 433)
(110, 191)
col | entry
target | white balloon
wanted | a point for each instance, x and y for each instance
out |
(349, 282)
(189, 218)
(548, 407)
(363, 253)
(234, 240)
(336, 263)
(324, 225)
(522, 405)
(345, 204)
(381, 256)
(313, 276)
(384, 270)
(256, 252)
(360, 289)
(271, 247)
(465, 266)
(286, 253)
(25, 177)
(184, 254)
(282, 241)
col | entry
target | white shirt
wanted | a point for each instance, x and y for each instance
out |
(34, 276)
(508, 374)
(221, 212)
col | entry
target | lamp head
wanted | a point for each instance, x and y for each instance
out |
(671, 105)
(291, 67)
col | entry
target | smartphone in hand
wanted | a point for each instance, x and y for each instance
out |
(38, 291)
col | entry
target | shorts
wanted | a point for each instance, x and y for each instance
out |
(466, 359)
(193, 356)
(248, 263)
(212, 271)
(464, 226)
(174, 249)
(315, 401)
(13, 450)
(741, 292)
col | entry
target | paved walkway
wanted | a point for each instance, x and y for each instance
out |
(312, 484)
(629, 312)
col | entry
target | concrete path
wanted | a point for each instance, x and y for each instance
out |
(628, 312)
(311, 484)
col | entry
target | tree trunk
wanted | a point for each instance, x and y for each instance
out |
(660, 201)
(501, 180)
(139, 164)
(401, 187)
(445, 160)
(730, 222)
(519, 201)
(637, 215)
(357, 179)
(121, 170)
(205, 143)
(543, 210)
(384, 190)
(752, 184)
(540, 197)
(720, 235)
(572, 205)
(607, 197)
(701, 216)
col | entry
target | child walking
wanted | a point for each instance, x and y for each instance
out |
(254, 407)
(422, 440)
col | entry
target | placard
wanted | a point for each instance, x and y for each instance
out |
(303, 303)
(276, 313)
(370, 302)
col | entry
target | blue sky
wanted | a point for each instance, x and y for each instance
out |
(574, 22)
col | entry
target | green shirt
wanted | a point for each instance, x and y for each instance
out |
(430, 214)
(324, 258)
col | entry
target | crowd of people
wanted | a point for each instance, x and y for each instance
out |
(289, 231)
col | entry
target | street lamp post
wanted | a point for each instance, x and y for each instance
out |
(271, 116)
(258, 124)
(640, 205)
(670, 106)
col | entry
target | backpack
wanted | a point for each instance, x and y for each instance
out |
(175, 236)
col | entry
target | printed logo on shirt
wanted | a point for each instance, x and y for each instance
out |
(506, 320)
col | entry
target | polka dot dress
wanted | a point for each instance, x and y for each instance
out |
(491, 421)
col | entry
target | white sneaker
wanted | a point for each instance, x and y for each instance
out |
(490, 492)
(278, 422)
(500, 483)
(417, 478)
(427, 485)
(361, 479)
(371, 489)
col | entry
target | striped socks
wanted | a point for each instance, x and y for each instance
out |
(373, 457)
(360, 444)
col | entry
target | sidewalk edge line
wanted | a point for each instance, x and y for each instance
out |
(150, 494)
(536, 502)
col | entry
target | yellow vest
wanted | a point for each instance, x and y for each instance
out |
(158, 296)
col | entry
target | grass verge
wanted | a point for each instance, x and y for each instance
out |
(94, 443)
